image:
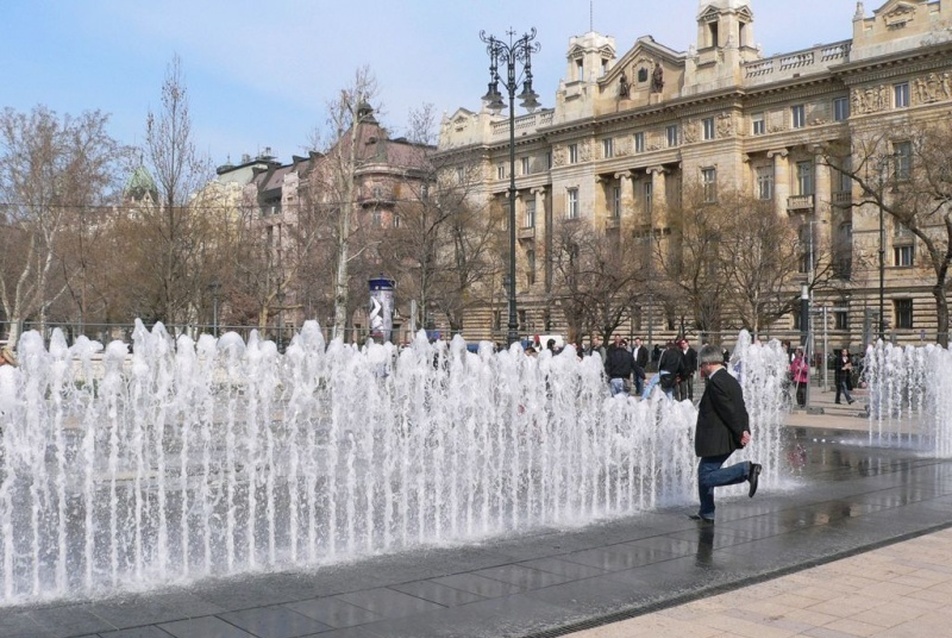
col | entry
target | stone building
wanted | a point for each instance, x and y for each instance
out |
(630, 131)
(293, 210)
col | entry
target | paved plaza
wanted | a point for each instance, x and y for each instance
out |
(859, 543)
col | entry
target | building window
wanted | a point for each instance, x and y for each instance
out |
(707, 124)
(648, 196)
(396, 220)
(530, 267)
(608, 148)
(525, 165)
(501, 171)
(671, 134)
(903, 153)
(758, 124)
(376, 218)
(640, 142)
(903, 255)
(530, 214)
(841, 319)
(901, 95)
(548, 161)
(616, 202)
(903, 310)
(573, 153)
(765, 182)
(798, 116)
(844, 181)
(460, 175)
(571, 211)
(709, 184)
(841, 109)
(805, 178)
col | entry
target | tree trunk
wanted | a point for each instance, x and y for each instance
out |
(942, 310)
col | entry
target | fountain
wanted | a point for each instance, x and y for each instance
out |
(910, 397)
(186, 460)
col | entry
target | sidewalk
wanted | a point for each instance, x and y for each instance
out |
(902, 590)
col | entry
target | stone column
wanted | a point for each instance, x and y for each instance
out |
(659, 199)
(822, 200)
(543, 236)
(781, 180)
(627, 184)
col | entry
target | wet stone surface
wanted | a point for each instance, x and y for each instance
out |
(842, 497)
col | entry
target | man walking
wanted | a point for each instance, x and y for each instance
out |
(640, 354)
(722, 427)
(686, 387)
(619, 365)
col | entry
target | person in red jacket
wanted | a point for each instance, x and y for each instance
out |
(800, 375)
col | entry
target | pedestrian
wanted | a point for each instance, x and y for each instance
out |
(671, 368)
(800, 375)
(686, 386)
(619, 365)
(843, 376)
(640, 354)
(722, 427)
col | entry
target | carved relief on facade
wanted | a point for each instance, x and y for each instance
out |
(933, 88)
(690, 128)
(775, 122)
(585, 151)
(899, 16)
(623, 146)
(871, 99)
(725, 125)
(558, 155)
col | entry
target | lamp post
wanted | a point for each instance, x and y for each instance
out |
(511, 54)
(882, 266)
(215, 286)
(884, 163)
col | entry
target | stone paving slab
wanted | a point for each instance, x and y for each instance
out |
(658, 568)
(898, 590)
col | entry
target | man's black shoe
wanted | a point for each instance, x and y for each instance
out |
(752, 477)
(698, 517)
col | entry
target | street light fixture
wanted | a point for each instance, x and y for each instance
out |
(511, 54)
(884, 165)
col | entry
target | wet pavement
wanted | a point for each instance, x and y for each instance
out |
(845, 500)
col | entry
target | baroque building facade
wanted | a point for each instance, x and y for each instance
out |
(293, 213)
(631, 131)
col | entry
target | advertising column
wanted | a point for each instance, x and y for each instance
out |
(380, 315)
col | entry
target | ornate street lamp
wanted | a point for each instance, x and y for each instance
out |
(511, 54)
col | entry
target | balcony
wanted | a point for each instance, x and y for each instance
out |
(527, 232)
(844, 199)
(800, 203)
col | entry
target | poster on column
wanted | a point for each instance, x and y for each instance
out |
(380, 315)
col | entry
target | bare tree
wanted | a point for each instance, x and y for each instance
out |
(596, 284)
(759, 252)
(177, 231)
(445, 248)
(337, 181)
(52, 172)
(693, 274)
(906, 172)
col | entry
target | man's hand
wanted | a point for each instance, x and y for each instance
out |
(744, 439)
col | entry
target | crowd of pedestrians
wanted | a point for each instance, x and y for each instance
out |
(626, 367)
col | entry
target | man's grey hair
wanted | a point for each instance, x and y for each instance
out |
(710, 354)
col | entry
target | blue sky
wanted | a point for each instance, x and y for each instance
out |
(260, 74)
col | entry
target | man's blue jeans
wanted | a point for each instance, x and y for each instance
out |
(710, 474)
